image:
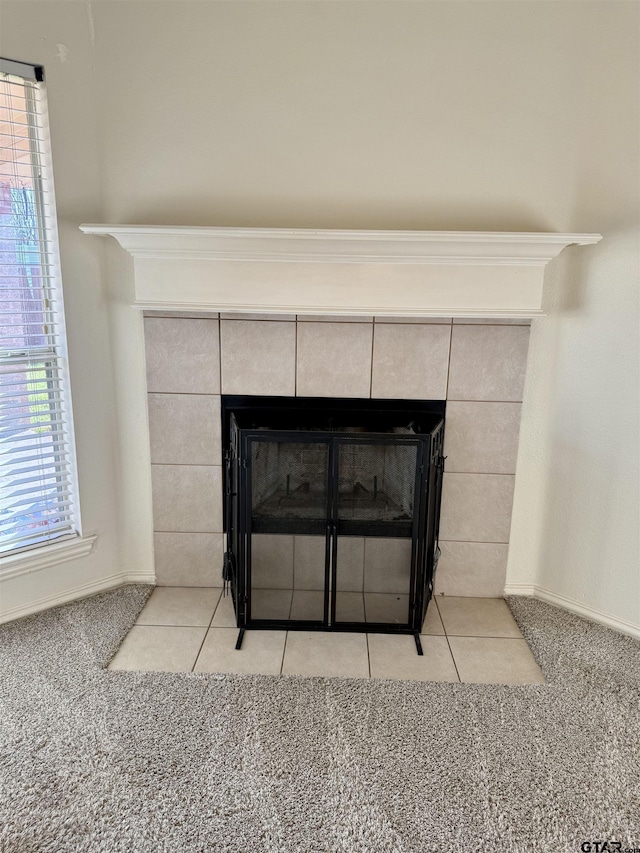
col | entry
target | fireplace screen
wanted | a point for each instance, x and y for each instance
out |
(332, 512)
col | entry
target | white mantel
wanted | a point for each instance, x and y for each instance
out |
(304, 271)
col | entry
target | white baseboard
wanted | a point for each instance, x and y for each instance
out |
(83, 591)
(591, 613)
(140, 577)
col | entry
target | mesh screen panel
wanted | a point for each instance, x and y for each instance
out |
(289, 479)
(376, 482)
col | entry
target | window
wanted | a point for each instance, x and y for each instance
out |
(37, 476)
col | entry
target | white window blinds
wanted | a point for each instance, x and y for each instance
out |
(37, 481)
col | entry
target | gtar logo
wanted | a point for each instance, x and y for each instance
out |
(600, 846)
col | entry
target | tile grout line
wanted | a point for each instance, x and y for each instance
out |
(295, 365)
(446, 636)
(284, 651)
(373, 339)
(220, 354)
(206, 633)
(446, 392)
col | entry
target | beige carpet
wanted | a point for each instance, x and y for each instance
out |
(92, 760)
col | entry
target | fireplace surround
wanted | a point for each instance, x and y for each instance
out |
(417, 315)
(330, 478)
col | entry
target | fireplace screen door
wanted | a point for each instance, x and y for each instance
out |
(328, 528)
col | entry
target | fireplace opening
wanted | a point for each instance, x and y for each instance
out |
(331, 512)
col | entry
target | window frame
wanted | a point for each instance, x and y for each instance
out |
(55, 545)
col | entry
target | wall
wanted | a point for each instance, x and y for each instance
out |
(493, 115)
(59, 37)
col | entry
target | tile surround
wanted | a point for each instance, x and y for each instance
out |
(476, 507)
(410, 361)
(480, 373)
(182, 355)
(482, 438)
(188, 559)
(187, 498)
(334, 359)
(488, 363)
(184, 429)
(258, 357)
(477, 566)
(272, 561)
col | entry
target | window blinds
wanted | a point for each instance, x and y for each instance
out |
(37, 482)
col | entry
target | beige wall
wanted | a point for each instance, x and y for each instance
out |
(425, 115)
(32, 32)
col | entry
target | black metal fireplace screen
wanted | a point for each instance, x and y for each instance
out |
(331, 512)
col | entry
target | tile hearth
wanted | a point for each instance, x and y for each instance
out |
(186, 629)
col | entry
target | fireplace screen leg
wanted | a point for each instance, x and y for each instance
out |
(239, 640)
(418, 644)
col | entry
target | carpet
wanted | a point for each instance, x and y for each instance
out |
(93, 760)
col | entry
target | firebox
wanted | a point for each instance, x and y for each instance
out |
(331, 512)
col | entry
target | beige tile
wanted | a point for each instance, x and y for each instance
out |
(260, 316)
(309, 562)
(482, 437)
(270, 603)
(476, 507)
(159, 648)
(334, 359)
(491, 321)
(187, 498)
(477, 617)
(333, 318)
(180, 606)
(432, 623)
(271, 562)
(350, 607)
(188, 559)
(483, 660)
(325, 654)
(442, 321)
(387, 607)
(396, 657)
(472, 568)
(261, 652)
(258, 357)
(225, 616)
(488, 363)
(183, 356)
(410, 361)
(308, 604)
(350, 564)
(184, 429)
(387, 565)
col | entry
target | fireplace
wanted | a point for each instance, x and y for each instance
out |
(331, 511)
(323, 314)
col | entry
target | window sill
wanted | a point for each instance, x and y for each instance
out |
(45, 557)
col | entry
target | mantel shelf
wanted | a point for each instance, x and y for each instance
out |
(305, 271)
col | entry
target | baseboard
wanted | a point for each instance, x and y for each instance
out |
(140, 577)
(83, 591)
(591, 613)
